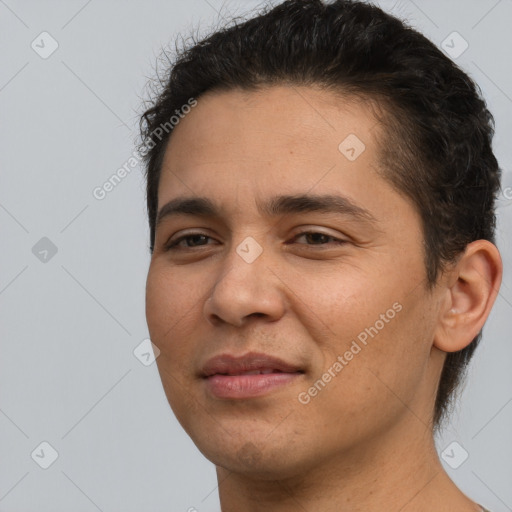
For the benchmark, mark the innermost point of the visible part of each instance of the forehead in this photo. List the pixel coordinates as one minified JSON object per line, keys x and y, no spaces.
{"x":273,"y":121}
{"x":273,"y":125}
{"x":237,"y":144}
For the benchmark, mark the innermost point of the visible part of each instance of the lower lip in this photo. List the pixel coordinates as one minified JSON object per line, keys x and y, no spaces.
{"x":247,"y":386}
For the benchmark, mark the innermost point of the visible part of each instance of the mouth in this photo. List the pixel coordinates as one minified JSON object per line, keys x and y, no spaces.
{"x":251,"y":375}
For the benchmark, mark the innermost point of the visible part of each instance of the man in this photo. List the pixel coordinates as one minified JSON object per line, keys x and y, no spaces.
{"x":322,"y":227}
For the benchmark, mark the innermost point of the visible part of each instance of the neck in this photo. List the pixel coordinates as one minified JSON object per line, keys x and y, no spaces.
{"x":396,"y":471}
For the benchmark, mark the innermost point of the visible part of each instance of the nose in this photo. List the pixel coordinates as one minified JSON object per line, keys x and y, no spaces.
{"x":245,"y":290}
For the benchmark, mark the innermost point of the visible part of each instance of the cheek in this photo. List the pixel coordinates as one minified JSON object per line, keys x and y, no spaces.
{"x":344,"y":303}
{"x":168,"y":298}
{"x":170,"y":318}
{"x":158,"y":304}
{"x":380,"y":324}
{"x":169,"y":308}
{"x":390,"y":366}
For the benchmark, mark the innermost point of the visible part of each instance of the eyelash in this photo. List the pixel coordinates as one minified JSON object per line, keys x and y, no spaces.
{"x":173,"y":245}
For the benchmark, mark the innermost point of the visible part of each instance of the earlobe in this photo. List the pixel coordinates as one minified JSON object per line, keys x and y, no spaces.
{"x":476,"y":279}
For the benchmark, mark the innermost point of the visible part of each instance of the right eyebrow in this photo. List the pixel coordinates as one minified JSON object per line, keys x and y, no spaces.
{"x":198,"y":206}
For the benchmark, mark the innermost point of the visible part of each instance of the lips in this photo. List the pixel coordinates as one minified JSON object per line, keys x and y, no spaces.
{"x":249,"y":364}
{"x":252,"y":375}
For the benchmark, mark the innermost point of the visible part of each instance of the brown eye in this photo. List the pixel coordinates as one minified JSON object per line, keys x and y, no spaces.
{"x":318,"y":238}
{"x":191,"y":241}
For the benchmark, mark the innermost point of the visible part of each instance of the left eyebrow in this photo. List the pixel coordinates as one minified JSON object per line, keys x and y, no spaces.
{"x":273,"y":207}
{"x":304,"y":203}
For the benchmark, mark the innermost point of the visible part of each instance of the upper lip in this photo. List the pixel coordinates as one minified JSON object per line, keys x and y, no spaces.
{"x":227,"y":364}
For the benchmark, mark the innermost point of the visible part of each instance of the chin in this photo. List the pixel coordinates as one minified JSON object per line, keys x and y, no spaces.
{"x":251,"y":455}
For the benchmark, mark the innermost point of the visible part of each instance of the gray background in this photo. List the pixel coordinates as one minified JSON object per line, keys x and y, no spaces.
{"x":71,"y":320}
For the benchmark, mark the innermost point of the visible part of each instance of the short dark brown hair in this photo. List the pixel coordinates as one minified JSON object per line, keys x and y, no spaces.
{"x":438,"y":150}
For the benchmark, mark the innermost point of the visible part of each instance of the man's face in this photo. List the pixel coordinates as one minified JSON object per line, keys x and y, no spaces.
{"x":344,"y":306}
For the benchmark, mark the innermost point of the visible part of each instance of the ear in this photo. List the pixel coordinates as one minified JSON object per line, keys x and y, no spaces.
{"x":470,"y":291}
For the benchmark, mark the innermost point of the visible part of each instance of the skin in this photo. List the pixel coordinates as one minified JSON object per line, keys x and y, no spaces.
{"x":364,"y":442}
